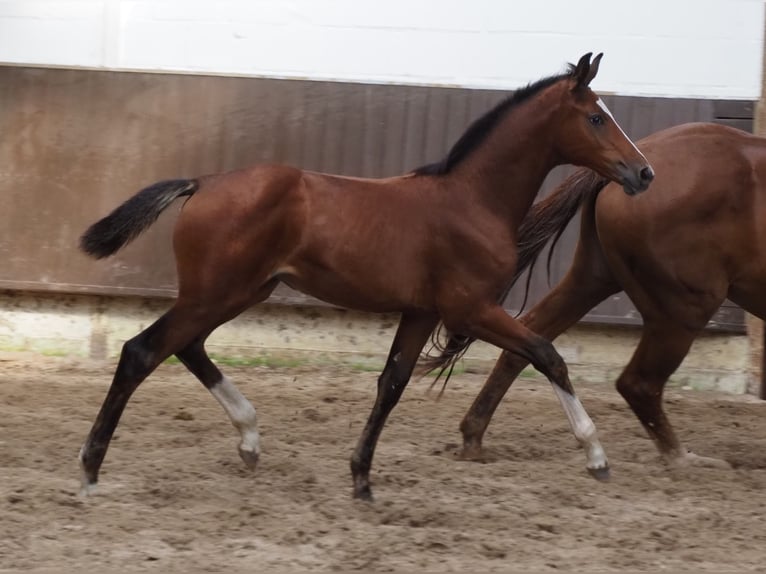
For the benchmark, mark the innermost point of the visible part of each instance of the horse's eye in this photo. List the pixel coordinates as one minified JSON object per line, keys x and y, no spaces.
{"x":596,"y":120}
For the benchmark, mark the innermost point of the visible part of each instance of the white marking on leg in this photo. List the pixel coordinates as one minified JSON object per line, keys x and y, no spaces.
{"x":87,"y":488}
{"x":243,"y":417}
{"x":583,"y":428}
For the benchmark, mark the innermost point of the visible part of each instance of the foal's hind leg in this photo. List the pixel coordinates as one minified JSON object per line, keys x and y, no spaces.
{"x":140,"y":356}
{"x":495,"y":326}
{"x":240,"y":410}
{"x":176,"y":329}
{"x":411,"y":336}
{"x":661,"y":350}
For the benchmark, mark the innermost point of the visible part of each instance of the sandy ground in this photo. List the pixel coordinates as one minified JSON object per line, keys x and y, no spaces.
{"x":174,"y":496}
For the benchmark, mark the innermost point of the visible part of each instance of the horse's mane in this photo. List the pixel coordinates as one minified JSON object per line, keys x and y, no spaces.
{"x":478,"y":131}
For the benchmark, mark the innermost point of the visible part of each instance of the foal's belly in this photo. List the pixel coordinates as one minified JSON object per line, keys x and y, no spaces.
{"x":358,"y":294}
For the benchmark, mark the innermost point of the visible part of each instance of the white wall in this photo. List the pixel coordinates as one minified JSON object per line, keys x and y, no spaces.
{"x":694,"y":48}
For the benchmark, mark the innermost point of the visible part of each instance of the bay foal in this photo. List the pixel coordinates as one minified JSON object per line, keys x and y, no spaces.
{"x":435,"y":244}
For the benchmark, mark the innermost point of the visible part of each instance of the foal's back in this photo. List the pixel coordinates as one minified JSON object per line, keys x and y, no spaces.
{"x":372,"y":244}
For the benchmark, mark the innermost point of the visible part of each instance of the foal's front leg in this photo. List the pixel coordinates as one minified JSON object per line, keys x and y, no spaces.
{"x":579,"y":291}
{"x":493,"y":325}
{"x":411,"y":336}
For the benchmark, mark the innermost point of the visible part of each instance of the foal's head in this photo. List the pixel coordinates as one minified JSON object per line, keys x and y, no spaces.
{"x":590,"y":136}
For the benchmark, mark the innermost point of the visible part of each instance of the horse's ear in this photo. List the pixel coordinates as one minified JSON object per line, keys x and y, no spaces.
{"x":581,"y":74}
{"x":593,"y":69}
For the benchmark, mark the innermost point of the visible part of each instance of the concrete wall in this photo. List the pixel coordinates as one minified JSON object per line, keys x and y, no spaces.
{"x":709,"y":49}
{"x":96,"y":327}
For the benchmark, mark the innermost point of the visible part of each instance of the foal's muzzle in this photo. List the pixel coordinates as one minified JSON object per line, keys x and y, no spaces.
{"x":635,"y":181}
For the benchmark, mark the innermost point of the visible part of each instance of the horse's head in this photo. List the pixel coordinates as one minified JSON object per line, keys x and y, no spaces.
{"x":589,"y":135}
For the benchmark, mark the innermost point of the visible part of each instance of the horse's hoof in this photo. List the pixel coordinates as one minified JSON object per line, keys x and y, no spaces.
{"x":471,"y":454}
{"x":87,"y":488}
{"x":364,"y":496}
{"x":88,"y":478}
{"x":602,"y":474}
{"x":362,"y":490}
{"x":249,"y":457}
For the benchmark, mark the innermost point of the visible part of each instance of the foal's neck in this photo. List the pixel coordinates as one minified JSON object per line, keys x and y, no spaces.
{"x":507,"y":170}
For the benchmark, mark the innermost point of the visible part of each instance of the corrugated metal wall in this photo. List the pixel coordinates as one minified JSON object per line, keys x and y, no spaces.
{"x":76,"y":143}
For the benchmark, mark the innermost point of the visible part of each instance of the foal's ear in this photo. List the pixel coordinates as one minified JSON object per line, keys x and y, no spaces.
{"x":585,"y":71}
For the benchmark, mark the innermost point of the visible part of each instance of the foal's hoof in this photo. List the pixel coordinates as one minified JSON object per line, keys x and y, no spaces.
{"x":88,"y":478}
{"x":249,"y":457}
{"x":362,"y":490}
{"x":601,"y":473}
{"x":87,"y":488}
{"x":88,"y":483}
{"x":363,"y":493}
{"x":471,"y":453}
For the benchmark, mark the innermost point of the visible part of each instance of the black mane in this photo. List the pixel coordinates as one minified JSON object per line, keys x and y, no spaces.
{"x":480,"y":128}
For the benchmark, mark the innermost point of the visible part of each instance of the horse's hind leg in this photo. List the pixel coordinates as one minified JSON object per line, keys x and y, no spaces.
{"x":496,"y":327}
{"x":240,"y":410}
{"x":659,"y":353}
{"x":411,"y":336}
{"x":140,"y":356}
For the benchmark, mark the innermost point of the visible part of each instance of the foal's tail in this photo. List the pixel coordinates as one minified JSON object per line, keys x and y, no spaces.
{"x":546,"y":219}
{"x":125,"y":223}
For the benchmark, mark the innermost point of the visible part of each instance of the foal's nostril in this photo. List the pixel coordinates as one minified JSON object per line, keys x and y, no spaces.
{"x":646,"y":174}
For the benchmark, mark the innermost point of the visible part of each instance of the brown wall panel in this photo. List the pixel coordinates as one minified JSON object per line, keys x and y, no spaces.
{"x":76,"y":143}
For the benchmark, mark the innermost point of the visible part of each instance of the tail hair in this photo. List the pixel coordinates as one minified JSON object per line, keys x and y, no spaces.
{"x":546,"y":219}
{"x":129,"y":220}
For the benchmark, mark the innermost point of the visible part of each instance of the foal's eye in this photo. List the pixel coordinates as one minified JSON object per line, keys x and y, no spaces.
{"x":596,"y":120}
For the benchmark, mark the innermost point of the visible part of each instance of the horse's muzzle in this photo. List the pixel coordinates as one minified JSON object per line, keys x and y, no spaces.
{"x":636,"y":181}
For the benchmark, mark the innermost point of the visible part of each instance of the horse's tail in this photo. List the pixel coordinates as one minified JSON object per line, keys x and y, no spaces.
{"x":546,"y":219}
{"x":125,"y":223}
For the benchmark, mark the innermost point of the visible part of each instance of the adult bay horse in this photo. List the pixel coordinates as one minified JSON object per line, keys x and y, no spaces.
{"x":435,"y":244}
{"x":696,"y":238}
